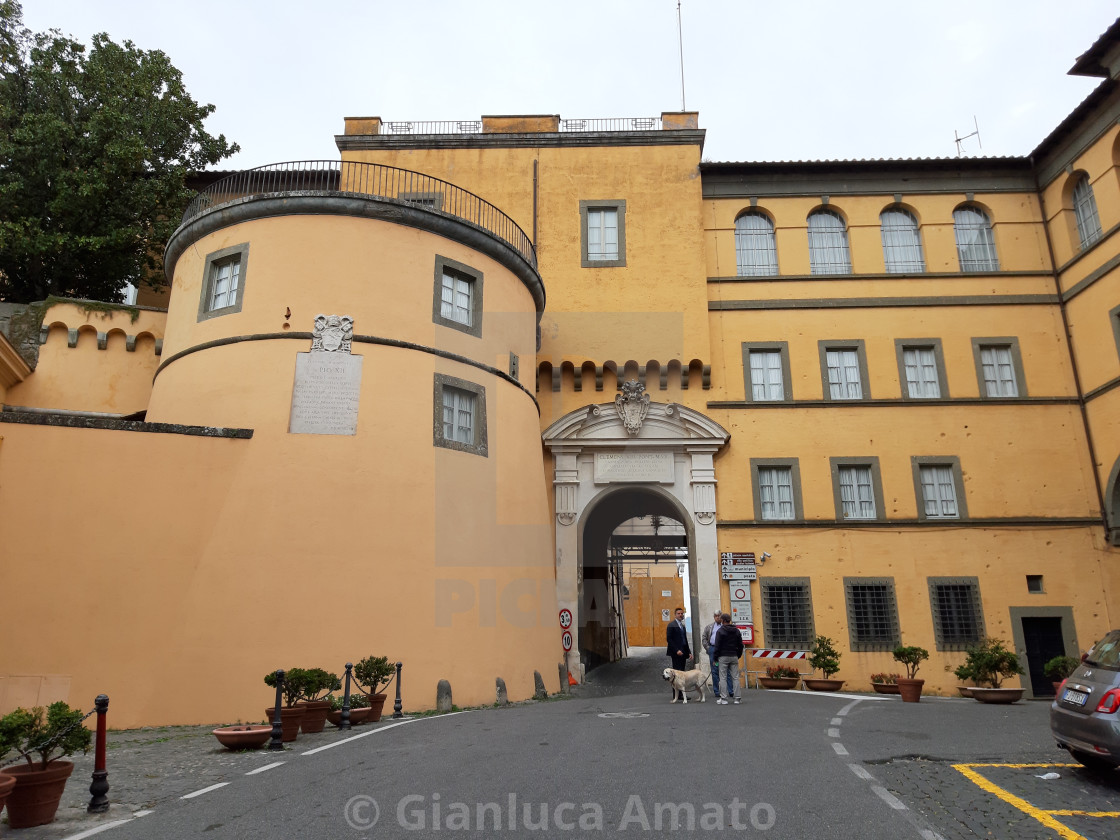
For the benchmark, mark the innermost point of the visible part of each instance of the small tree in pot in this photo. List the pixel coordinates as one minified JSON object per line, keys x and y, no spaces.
{"x":1059,"y":668}
{"x":824,"y":657}
{"x":372,"y":674}
{"x":53,"y":734}
{"x":991,"y":662}
{"x":317,"y":684}
{"x":911,"y":656}
{"x":293,"y":687}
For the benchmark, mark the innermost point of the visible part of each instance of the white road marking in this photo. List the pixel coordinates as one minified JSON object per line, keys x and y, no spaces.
{"x":888,"y":797}
{"x":89,"y":832}
{"x":861,"y":772}
{"x":839,"y":748}
{"x":856,"y":697}
{"x":204,"y":790}
{"x":266,"y":767}
{"x":366,"y":735}
{"x":837,"y":721}
{"x":834,"y":732}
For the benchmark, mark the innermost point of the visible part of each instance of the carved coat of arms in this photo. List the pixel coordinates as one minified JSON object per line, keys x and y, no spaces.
{"x":332,"y":333}
{"x":632,"y":406}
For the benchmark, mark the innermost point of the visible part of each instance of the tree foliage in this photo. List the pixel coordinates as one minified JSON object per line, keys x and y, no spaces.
{"x":95,"y":148}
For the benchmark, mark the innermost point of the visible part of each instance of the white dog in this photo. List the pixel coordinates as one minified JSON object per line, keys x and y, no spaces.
{"x":685,"y":681}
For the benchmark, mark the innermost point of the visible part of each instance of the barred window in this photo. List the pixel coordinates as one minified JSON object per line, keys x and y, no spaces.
{"x":976,"y":247}
{"x":1085,"y":211}
{"x":828,"y":244}
{"x":756,"y":254}
{"x":958,"y":620}
{"x":902,"y":246}
{"x":872,"y":614}
{"x":787,"y":613}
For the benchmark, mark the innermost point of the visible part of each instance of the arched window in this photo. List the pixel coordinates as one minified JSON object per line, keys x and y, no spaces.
{"x":755,"y":252}
{"x":976,"y":247}
{"x":1085,"y":211}
{"x":902,"y":247}
{"x":828,"y":244}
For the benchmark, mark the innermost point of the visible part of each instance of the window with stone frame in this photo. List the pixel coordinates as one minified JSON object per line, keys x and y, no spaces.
{"x":958,"y":618}
{"x":872,"y":614}
{"x":787,"y":613}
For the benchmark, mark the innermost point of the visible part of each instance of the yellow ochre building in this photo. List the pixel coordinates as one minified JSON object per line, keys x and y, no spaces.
{"x":431,"y":399}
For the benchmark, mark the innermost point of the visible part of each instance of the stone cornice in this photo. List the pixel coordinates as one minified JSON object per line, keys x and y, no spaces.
{"x":13,"y":368}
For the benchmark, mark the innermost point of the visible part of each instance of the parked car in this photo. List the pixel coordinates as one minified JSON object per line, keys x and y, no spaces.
{"x":1085,"y":714}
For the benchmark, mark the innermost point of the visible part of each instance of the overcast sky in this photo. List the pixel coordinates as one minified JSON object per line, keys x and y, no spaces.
{"x":788,"y":80}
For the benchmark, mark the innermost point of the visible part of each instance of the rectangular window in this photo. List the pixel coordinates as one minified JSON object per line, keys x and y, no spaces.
{"x":223,"y":284}
{"x":920,"y":364}
{"x":872,"y":614}
{"x":775,"y":486}
{"x":455,"y":300}
{"x":843,"y":369}
{"x":957,"y":617}
{"x":939,"y":485}
{"x":999,"y":367}
{"x":603,"y":233}
{"x":787,"y":613}
{"x":766,"y":370}
{"x":460,"y":415}
{"x":857,"y":488}
{"x":458,"y":296}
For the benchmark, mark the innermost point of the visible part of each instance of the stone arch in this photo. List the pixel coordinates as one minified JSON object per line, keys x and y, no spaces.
{"x":1112,"y":504}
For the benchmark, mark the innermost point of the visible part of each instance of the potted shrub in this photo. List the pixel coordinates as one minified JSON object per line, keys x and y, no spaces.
{"x":52,"y":734}
{"x":824,"y":657}
{"x":885,"y":683}
{"x":359,"y":709}
{"x":782,"y":677}
{"x":243,"y":736}
{"x":295,"y":681}
{"x":909,"y":686}
{"x":991,"y":662}
{"x":1059,"y":668}
{"x":372,"y":674}
{"x":317,"y":685}
{"x":7,"y":744}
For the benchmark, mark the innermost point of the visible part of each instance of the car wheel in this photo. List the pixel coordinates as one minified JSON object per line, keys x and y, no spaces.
{"x":1093,"y":762}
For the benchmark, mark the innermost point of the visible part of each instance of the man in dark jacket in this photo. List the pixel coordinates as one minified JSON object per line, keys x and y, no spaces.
{"x":676,"y":641}
{"x":728,"y":649}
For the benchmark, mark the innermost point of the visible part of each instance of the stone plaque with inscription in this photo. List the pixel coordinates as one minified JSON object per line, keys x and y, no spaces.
{"x":611,"y":467}
{"x":328,"y":381}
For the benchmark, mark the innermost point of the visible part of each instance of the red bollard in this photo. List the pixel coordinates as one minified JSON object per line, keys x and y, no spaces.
{"x":99,"y":803}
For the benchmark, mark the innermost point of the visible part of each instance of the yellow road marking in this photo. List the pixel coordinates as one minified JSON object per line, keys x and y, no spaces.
{"x":1085,"y":813}
{"x":1011,"y":799}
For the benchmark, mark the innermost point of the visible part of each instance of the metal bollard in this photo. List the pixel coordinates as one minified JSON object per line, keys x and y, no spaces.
{"x":99,"y":802}
{"x":344,"y":723}
{"x":397,"y":713}
{"x":277,"y":741}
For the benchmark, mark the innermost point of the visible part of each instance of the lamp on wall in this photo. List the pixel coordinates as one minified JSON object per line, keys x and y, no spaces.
{"x":765,"y":556}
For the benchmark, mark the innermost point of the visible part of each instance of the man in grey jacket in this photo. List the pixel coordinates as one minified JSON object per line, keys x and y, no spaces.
{"x":709,"y":648}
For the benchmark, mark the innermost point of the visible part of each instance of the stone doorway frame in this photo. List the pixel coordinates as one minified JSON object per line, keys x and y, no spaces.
{"x":665,"y":449}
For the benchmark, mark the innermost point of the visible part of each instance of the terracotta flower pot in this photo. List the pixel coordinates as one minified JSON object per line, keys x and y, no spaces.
{"x":911,"y":690}
{"x":885,"y":688}
{"x":35,"y":797}
{"x":251,"y":737}
{"x":376,"y":704}
{"x":7,"y":782}
{"x":290,"y":718}
{"x":356,"y":716}
{"x":998,"y":695}
{"x":314,"y":716}
{"x":778,"y":683}
{"x":822,"y":684}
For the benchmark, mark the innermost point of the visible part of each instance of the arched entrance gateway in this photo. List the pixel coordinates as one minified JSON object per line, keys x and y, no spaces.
{"x":616,"y":463}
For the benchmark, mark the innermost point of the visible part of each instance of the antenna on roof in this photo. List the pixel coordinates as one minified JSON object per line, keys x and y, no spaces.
{"x":680,"y":43}
{"x":975,"y":133}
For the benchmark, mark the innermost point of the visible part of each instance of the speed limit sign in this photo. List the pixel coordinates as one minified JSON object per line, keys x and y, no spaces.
{"x":567,"y":640}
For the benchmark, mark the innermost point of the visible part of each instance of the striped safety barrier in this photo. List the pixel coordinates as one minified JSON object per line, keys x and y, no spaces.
{"x":769,"y":653}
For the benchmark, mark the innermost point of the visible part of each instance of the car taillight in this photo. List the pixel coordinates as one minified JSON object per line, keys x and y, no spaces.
{"x":1110,"y":702}
{"x":1061,"y":687}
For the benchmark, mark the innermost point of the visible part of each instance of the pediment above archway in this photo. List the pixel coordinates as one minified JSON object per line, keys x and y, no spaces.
{"x":663,"y":423}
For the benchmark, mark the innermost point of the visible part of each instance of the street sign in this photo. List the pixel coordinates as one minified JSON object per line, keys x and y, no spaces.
{"x":740,"y":573}
{"x":741,"y":613}
{"x":736,"y":557}
{"x":747,"y":631}
{"x":565,"y":619}
{"x":566,"y":640}
{"x":740,"y":592}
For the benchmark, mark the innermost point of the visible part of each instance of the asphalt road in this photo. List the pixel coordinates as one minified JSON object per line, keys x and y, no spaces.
{"x":619,"y":760}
